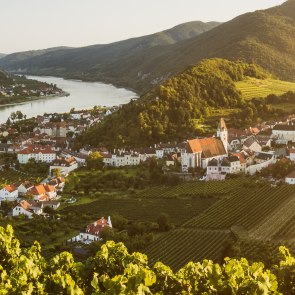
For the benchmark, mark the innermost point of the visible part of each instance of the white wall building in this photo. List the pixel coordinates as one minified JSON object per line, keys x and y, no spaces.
{"x":9,"y":193}
{"x":46,"y":155}
{"x":284,"y":132}
{"x":121,"y":160}
{"x":93,"y":231}
{"x":65,"y":165}
{"x":290,"y":178}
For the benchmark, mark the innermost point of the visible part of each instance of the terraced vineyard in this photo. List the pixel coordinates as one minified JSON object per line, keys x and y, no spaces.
{"x":252,"y":87}
{"x":183,"y":245}
{"x":286,"y":231}
{"x":11,"y":176}
{"x":264,"y":215}
{"x":245,"y":208}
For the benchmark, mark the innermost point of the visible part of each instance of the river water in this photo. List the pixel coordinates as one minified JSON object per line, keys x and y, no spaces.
{"x":83,"y":95}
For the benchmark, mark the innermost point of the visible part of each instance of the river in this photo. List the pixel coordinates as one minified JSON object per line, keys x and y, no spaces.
{"x":83,"y":95}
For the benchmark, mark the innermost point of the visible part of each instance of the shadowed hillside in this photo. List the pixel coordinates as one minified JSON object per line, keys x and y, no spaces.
{"x":93,"y":62}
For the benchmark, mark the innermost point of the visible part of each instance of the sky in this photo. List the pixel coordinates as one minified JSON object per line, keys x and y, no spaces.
{"x":38,"y":24}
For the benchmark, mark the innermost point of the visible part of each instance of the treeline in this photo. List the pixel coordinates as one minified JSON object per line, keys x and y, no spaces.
{"x":286,"y":97}
{"x":5,"y":80}
{"x":115,"y":271}
{"x":174,"y":110}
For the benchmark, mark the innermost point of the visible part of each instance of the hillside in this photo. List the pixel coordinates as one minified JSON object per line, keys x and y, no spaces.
{"x":93,"y":62}
{"x":177,"y":109}
{"x":2,"y":55}
{"x":258,"y":88}
{"x":265,"y":37}
{"x":5,"y":80}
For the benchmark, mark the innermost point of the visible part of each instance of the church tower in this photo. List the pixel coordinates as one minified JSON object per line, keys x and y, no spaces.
{"x":222,"y":133}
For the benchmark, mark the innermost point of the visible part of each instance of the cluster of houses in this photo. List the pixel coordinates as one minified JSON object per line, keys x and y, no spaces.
{"x":229,"y":151}
{"x":22,"y":90}
{"x":32,"y":199}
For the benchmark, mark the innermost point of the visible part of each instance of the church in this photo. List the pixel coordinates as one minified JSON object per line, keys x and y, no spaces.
{"x":200,"y":151}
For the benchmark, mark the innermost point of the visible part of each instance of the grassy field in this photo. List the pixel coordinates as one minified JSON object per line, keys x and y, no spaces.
{"x":257,"y":88}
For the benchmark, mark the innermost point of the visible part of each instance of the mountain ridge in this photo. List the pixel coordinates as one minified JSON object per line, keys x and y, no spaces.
{"x":265,"y":37}
{"x":59,"y":61}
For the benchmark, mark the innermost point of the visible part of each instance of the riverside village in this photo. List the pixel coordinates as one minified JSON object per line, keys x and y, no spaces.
{"x":49,"y":140}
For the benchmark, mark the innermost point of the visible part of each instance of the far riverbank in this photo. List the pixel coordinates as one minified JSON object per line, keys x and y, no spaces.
{"x":83,"y":95}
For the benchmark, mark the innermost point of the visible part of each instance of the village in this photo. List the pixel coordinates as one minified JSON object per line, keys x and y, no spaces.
{"x":18,"y":88}
{"x":227,"y":152}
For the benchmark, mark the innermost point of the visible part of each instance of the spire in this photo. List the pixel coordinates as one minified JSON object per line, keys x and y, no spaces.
{"x":221,"y":125}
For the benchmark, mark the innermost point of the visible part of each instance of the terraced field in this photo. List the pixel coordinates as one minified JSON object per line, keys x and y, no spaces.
{"x":252,"y":87}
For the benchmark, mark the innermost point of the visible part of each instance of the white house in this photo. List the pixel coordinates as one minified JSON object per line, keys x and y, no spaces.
{"x":42,"y":192}
{"x":93,"y":231}
{"x":292,"y":155}
{"x":290,"y":178}
{"x":80,"y":158}
{"x":29,"y":208}
{"x":23,"y":208}
{"x":227,"y":165}
{"x":159,"y":153}
{"x":121,"y":159}
{"x":65,"y":165}
{"x":9,"y":193}
{"x":24,"y":187}
{"x":231,"y":165}
{"x":284,"y":131}
{"x":252,"y":144}
{"x":45,"y":154}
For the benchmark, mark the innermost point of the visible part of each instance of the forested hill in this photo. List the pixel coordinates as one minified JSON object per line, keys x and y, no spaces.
{"x":173,"y":110}
{"x":5,"y":80}
{"x":97,"y":61}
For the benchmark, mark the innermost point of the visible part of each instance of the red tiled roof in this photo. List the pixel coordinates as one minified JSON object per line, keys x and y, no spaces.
{"x":10,"y":188}
{"x":25,"y":205}
{"x":35,"y":150}
{"x":210,"y":147}
{"x":291,"y":175}
{"x":96,"y":227}
{"x":49,"y":188}
{"x":37,"y":190}
{"x":241,"y":157}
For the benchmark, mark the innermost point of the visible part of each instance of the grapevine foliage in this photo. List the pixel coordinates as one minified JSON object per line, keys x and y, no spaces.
{"x":115,"y":271}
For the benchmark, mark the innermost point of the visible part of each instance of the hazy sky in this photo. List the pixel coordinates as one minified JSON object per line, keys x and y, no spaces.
{"x":36,"y":24}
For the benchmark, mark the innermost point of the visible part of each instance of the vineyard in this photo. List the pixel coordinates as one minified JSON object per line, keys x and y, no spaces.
{"x":214,"y":189}
{"x":183,"y":245}
{"x":11,"y":176}
{"x":245,"y":208}
{"x":265,"y":216}
{"x":143,"y":209}
{"x":252,"y":87}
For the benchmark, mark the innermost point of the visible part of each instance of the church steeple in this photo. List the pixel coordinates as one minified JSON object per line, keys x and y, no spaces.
{"x":222,"y":133}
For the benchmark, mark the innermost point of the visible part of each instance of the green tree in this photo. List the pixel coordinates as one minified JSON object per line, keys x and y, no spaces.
{"x":94,"y":161}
